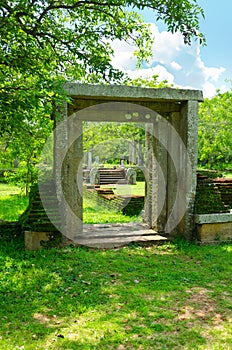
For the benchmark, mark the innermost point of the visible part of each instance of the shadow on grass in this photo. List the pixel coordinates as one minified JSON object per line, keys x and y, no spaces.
{"x":168,"y":297}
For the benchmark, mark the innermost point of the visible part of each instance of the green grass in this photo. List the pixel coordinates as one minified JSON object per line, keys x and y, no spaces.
{"x":138,"y":189}
{"x":12,"y":202}
{"x":175,"y":296}
{"x":94,"y":213}
{"x":228,"y":175}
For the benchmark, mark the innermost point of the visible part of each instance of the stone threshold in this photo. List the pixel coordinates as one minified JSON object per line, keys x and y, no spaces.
{"x":106,"y":236}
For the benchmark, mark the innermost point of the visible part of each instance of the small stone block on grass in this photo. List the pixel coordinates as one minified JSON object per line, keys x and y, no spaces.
{"x":39,"y":240}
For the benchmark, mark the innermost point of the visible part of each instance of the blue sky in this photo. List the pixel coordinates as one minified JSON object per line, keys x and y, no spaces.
{"x":205,"y":68}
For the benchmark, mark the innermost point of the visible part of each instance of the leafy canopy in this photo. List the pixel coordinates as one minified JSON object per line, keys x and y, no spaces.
{"x":43,"y":43}
{"x":215,"y":130}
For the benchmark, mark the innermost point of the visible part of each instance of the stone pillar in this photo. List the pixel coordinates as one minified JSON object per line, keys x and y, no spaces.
{"x":68,"y":174}
{"x":90,"y":160}
{"x":174,"y":174}
{"x":189,"y":116}
{"x":140,"y":154}
{"x":85,"y":159}
{"x":155,"y":215}
{"x":132,"y":154}
{"x":60,"y":149}
{"x":161,"y":158}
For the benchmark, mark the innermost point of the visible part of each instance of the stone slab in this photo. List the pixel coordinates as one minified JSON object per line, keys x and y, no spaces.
{"x":118,"y":241}
{"x":213,"y":218}
{"x":118,"y":92}
{"x":107,"y":236}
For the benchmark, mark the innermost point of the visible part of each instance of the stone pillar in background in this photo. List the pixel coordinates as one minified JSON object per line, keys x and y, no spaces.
{"x":132,"y":152}
{"x":140,"y":154}
{"x":90,"y":159}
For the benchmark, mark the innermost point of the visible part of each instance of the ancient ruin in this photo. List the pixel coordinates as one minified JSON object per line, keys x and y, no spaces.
{"x":171,"y":119}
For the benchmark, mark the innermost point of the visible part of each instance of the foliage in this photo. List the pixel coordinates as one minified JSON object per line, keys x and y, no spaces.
{"x":149,"y":82}
{"x":24,"y":144}
{"x":44,"y":43}
{"x":111,"y":140}
{"x":215,"y":130}
{"x":174,"y":296}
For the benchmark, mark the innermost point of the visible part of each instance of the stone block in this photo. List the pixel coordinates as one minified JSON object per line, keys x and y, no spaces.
{"x":39,"y":240}
{"x":214,"y":228}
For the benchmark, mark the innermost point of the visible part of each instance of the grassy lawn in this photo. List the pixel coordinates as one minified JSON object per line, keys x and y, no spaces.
{"x":94,"y":213}
{"x":228,"y":175}
{"x":98,"y":211}
{"x":175,"y":296}
{"x":138,"y":189}
{"x":12,"y":202}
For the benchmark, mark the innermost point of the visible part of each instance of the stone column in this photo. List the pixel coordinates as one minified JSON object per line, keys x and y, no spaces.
{"x":90,"y":160}
{"x":140,"y":154}
{"x":68,"y":174}
{"x":132,"y":154}
{"x":189,"y":117}
{"x":155,"y":211}
{"x":174,"y":173}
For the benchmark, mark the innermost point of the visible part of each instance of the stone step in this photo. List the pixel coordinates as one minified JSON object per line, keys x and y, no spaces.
{"x":113,"y":181}
{"x":107,"y":236}
{"x":119,"y":241}
{"x":112,"y":176}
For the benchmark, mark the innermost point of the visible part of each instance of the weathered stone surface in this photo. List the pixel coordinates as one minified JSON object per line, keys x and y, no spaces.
{"x":39,"y":240}
{"x":130,"y":93}
{"x":213,"y":218}
{"x":214,"y":232}
{"x":212,"y":228}
{"x":171,"y":183}
{"x":117,"y":235}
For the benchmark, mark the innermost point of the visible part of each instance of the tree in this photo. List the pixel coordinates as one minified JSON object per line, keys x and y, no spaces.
{"x":44,"y":43}
{"x":23,"y":147}
{"x":215,"y":130}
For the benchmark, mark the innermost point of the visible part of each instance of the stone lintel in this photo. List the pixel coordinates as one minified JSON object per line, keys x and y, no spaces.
{"x":213,"y":218}
{"x":160,"y":107}
{"x":130,"y":93}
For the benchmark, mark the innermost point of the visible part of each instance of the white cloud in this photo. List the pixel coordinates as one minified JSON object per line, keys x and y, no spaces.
{"x":173,"y":61}
{"x":123,"y":57}
{"x":175,"y":65}
{"x":209,"y":89}
{"x":209,"y":73}
{"x":166,"y":45}
{"x":159,"y":70}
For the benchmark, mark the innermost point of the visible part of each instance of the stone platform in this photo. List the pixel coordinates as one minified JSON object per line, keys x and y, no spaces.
{"x":106,"y":236}
{"x":214,"y":228}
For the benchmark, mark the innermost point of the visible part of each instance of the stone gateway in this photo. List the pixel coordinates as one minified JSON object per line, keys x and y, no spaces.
{"x":171,"y":122}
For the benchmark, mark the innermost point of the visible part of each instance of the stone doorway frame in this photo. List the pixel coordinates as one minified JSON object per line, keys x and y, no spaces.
{"x":180,"y":108}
